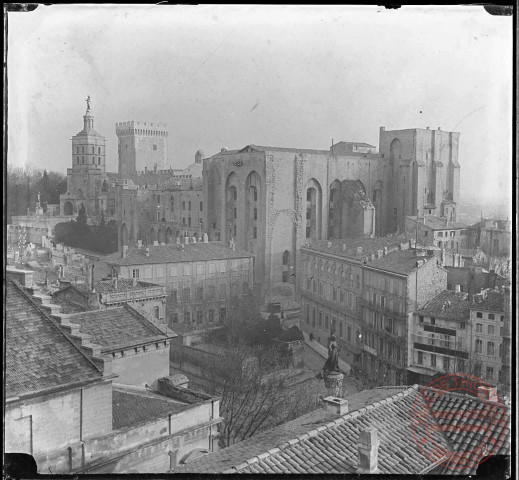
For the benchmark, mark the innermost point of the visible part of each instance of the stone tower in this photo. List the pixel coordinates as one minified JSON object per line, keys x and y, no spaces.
{"x":142,"y":146}
{"x":84,"y":179}
{"x":422,"y":175}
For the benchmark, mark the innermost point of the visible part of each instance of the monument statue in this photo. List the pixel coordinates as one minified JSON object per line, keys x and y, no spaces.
{"x":332,"y":362}
{"x":88,"y":102}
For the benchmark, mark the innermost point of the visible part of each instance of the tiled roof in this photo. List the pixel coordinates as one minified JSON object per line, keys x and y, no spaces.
{"x":494,"y":301}
{"x":348,"y":247}
{"x":399,"y":261}
{"x":38,"y":354}
{"x":266,"y":440}
{"x":468,"y":422}
{"x":172,"y":253}
{"x":131,"y":407}
{"x":118,"y":326}
{"x":449,"y":305}
{"x":327,"y":445}
{"x":437,"y":223}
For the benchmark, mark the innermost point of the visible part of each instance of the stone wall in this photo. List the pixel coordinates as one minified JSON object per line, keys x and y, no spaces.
{"x":48,"y":423}
{"x":143,"y":367}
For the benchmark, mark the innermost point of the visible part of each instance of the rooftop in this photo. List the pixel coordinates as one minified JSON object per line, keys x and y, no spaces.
{"x":348,"y":248}
{"x":39,"y":355}
{"x":132,"y":406}
{"x":116,"y":327}
{"x":173,"y":253}
{"x":449,"y":305}
{"x":108,"y":286}
{"x":400,"y":261}
{"x":493,"y":301}
{"x":437,"y":223}
{"x":321,"y":443}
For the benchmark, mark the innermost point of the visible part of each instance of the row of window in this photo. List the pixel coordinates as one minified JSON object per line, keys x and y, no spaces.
{"x":93,"y":150}
{"x":490,"y":348}
{"x":199,"y":317}
{"x":490,"y":316}
{"x":329,"y":324}
{"x":93,"y":160}
{"x":199,"y":293}
{"x":144,"y":348}
{"x":187,"y":269}
{"x":382,"y":322}
{"x":332,"y":293}
{"x":459,"y":364}
{"x":233,"y":193}
{"x":390,"y":352}
{"x":441,"y":234}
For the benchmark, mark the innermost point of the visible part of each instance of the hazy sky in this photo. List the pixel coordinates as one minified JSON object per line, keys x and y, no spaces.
{"x":280,"y":76}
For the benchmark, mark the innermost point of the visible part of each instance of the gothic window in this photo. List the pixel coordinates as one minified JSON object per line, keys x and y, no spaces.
{"x":93,"y":149}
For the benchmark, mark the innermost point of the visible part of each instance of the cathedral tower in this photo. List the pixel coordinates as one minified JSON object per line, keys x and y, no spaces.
{"x":84,"y":179}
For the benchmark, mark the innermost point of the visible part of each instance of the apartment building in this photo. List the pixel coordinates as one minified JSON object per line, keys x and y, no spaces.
{"x":458,"y":333}
{"x":200,"y":277}
{"x":395,"y":285}
{"x":331,"y":286}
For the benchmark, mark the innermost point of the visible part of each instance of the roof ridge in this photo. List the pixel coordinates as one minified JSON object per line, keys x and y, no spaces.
{"x":54,"y":324}
{"x":333,"y":423}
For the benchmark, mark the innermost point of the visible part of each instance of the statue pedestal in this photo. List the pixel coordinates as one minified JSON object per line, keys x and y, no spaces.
{"x":333,"y":383}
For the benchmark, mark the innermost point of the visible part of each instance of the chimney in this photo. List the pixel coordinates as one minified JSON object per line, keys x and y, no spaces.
{"x":382,"y":129}
{"x":329,"y":244}
{"x":139,"y":243}
{"x":205,"y":238}
{"x":186,"y":239}
{"x":359,"y":250}
{"x":147,"y":252}
{"x":115,"y":283}
{"x":336,"y":405}
{"x":487,"y":393}
{"x":439,"y":128}
{"x":385,"y":250}
{"x":125,"y":251}
{"x":155,"y":243}
{"x":193,"y":240}
{"x":457,"y":288}
{"x":344,"y":247}
{"x":380,"y":253}
{"x":367,"y":448}
{"x":134,"y":281}
{"x":427,"y":128}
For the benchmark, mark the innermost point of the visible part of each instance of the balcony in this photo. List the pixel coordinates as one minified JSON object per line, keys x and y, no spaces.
{"x":133,"y":295}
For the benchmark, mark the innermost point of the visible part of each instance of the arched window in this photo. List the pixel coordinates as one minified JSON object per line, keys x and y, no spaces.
{"x":77,"y":149}
{"x":286,"y":266}
{"x":93,"y":160}
{"x":99,"y":161}
{"x":93,"y":149}
{"x":99,"y":150}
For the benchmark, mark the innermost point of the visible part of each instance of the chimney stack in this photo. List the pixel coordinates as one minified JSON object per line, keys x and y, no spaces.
{"x":359,"y":250}
{"x":186,"y":239}
{"x":368,"y":451}
{"x":205,"y":238}
{"x":115,"y":283}
{"x":193,"y":240}
{"x":125,"y":251}
{"x":147,"y":252}
{"x":487,"y":393}
{"x":457,"y":288}
{"x":139,"y":243}
{"x":336,"y":405}
{"x":329,"y":244}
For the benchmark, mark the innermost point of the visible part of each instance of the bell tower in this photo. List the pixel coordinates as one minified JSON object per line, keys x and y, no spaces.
{"x":88,"y":147}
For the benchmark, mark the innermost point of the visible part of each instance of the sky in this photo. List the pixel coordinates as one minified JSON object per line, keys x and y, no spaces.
{"x":287,"y":76}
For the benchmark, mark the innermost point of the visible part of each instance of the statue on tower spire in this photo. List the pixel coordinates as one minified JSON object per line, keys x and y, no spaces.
{"x":88,"y":102}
